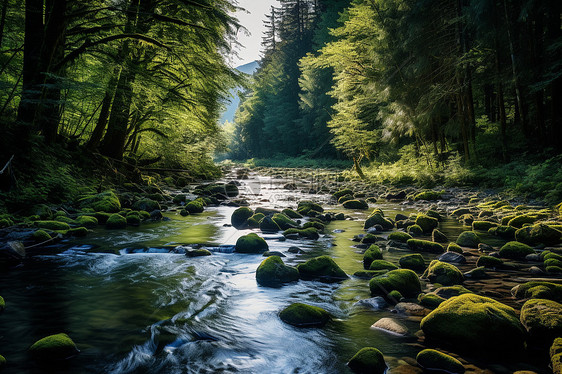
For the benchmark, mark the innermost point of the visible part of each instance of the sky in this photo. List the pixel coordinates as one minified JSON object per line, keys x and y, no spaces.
{"x":253,"y":21}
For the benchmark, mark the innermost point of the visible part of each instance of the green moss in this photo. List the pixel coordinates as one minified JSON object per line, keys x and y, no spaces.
{"x":430,"y":300}
{"x":382,"y":265}
{"x":519,"y":221}
{"x":553,"y":269}
{"x":179,"y":198}
{"x":133,"y":219}
{"x":251,"y":243}
{"x":425,"y":246}
{"x":483,"y":225}
{"x":308,"y":233}
{"x":323,"y":267}
{"x":451,"y":291}
{"x":475,"y":323}
{"x":372,"y":253}
{"x":78,"y":232}
{"x":65,"y":219}
{"x":102,"y":217}
{"x":305,"y":207}
{"x":399,"y":236}
{"x":460,"y":211}
{"x":40,"y":236}
{"x":195,"y":206}
{"x":367,"y":360}
{"x":556,"y":353}
{"x":340,"y":193}
{"x":317,"y":225}
{"x":239,"y":218}
{"x":88,"y":222}
{"x":303,"y":315}
{"x":54,"y":347}
{"x":454,"y":247}
{"x":429,"y":195}
{"x":43,"y":211}
{"x":273,"y":272}
{"x":426,"y":223}
{"x":356,"y":204}
{"x":199,"y":252}
{"x":515,"y":250}
{"x":116,"y":221}
{"x":438,"y":237}
{"x":489,"y":262}
{"x":144,"y":214}
{"x":3,"y":361}
{"x":394,"y":297}
{"x":284,"y":222}
{"x":148,"y":205}
{"x":376,"y":218}
{"x":254,"y":221}
{"x":538,"y":290}
{"x":404,"y":281}
{"x":543,"y":234}
{"x":433,"y":360}
{"x":468,"y":239}
{"x":504,"y":232}
{"x":345,"y":198}
{"x":52,"y":225}
{"x":414,"y":262}
{"x":415,"y":230}
{"x":543,"y":319}
{"x":291,"y":213}
{"x":434,"y":214}
{"x":2,"y":304}
{"x":103,"y":202}
{"x":368,"y":274}
{"x":553,"y":262}
{"x":443,"y":273}
{"x":547,"y":255}
{"x":269,"y":225}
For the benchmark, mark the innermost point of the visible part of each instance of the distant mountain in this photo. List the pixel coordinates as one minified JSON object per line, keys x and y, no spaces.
{"x":228,"y":115}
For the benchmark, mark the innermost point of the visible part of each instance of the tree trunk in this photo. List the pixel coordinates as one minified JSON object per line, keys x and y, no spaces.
{"x":3,"y":19}
{"x":97,"y":134}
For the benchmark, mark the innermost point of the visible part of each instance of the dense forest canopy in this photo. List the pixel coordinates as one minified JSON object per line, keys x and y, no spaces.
{"x":379,"y":80}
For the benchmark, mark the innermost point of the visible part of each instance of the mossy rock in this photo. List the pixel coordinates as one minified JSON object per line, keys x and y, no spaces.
{"x":404,"y":281}
{"x":368,"y":360}
{"x":52,"y":225}
{"x":195,"y":206}
{"x":538,"y":234}
{"x":443,"y":273}
{"x":382,"y":265}
{"x":308,"y":233}
{"x":460,"y":211}
{"x":273,"y":272}
{"x":371,"y":254}
{"x":454,"y":247}
{"x":40,"y":236}
{"x":438,"y":237}
{"x":370,"y":239}
{"x":88,"y":222}
{"x":323,"y":268}
{"x":378,"y":219}
{"x":451,"y":291}
{"x":54,"y":348}
{"x":317,"y":225}
{"x":345,"y":198}
{"x":356,"y":204}
{"x":489,"y":262}
{"x":515,"y":250}
{"x":399,"y":236}
{"x":179,"y":198}
{"x":556,"y":355}
{"x":43,"y":211}
{"x":475,"y":323}
{"x":430,"y":300}
{"x":519,"y":221}
{"x":477,"y":273}
{"x":425,"y":246}
{"x":369,"y":274}
{"x":553,"y":269}
{"x":414,"y":262}
{"x":303,"y":315}
{"x":78,"y":232}
{"x":107,"y":202}
{"x":147,"y":204}
{"x":415,"y":230}
{"x":184,"y":213}
{"x":553,"y":262}
{"x":434,"y":214}
{"x":65,"y":219}
{"x":426,"y":223}
{"x":240,"y":217}
{"x":102,"y":217}
{"x":394,"y":297}
{"x":116,"y":221}
{"x":285,"y":222}
{"x":251,"y":243}
{"x":133,"y":219}
{"x":483,"y":225}
{"x":538,"y":290}
{"x":199,"y":252}
{"x":254,"y":221}
{"x":305,"y":207}
{"x":291,"y":213}
{"x":468,"y":239}
{"x":429,"y":195}
{"x":2,"y":304}
{"x":543,"y":319}
{"x":432,"y":360}
{"x":340,"y":193}
{"x":504,"y":232}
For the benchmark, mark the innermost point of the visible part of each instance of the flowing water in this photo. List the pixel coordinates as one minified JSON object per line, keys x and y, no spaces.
{"x":161,"y":312}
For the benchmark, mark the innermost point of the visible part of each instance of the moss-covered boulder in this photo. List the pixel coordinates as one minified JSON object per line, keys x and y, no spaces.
{"x":267,"y":224}
{"x":468,"y":239}
{"x":323,"y":268}
{"x":460,"y":211}
{"x":434,"y":214}
{"x":77,"y":231}
{"x":438,"y":237}
{"x":52,"y":225}
{"x":432,"y":360}
{"x":254,"y":221}
{"x":443,"y":273}
{"x":538,"y":290}
{"x":475,"y":323}
{"x":515,"y":250}
{"x":305,"y":207}
{"x":429,"y":195}
{"x":133,"y":219}
{"x":356,"y":204}
{"x":116,"y":221}
{"x":40,"y":236}
{"x":315,"y":224}
{"x":415,"y":230}
{"x":251,"y":243}
{"x":399,"y":236}
{"x":371,"y":254}
{"x":199,"y":252}
{"x":504,"y":232}
{"x":430,"y":300}
{"x":146,"y":204}
{"x":556,"y":354}
{"x":345,"y":198}
{"x":343,"y":192}
{"x":103,"y":202}
{"x":240,"y":217}
{"x":519,"y":221}
{"x":402,"y":280}
{"x":538,"y":234}
{"x":451,"y":291}
{"x":413,"y":262}
{"x":88,"y":222}
{"x":285,"y":222}
{"x":308,"y":233}
{"x":291,"y":213}
{"x":483,"y":225}
{"x":195,"y":206}
{"x":376,"y":218}
{"x":368,"y":360}
{"x":382,"y":265}
{"x":426,"y":223}
{"x":543,"y":319}
{"x":303,"y":315}
{"x":489,"y":262}
{"x":54,"y":348}
{"x":425,"y":246}
{"x":273,"y":272}
{"x":454,"y":247}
